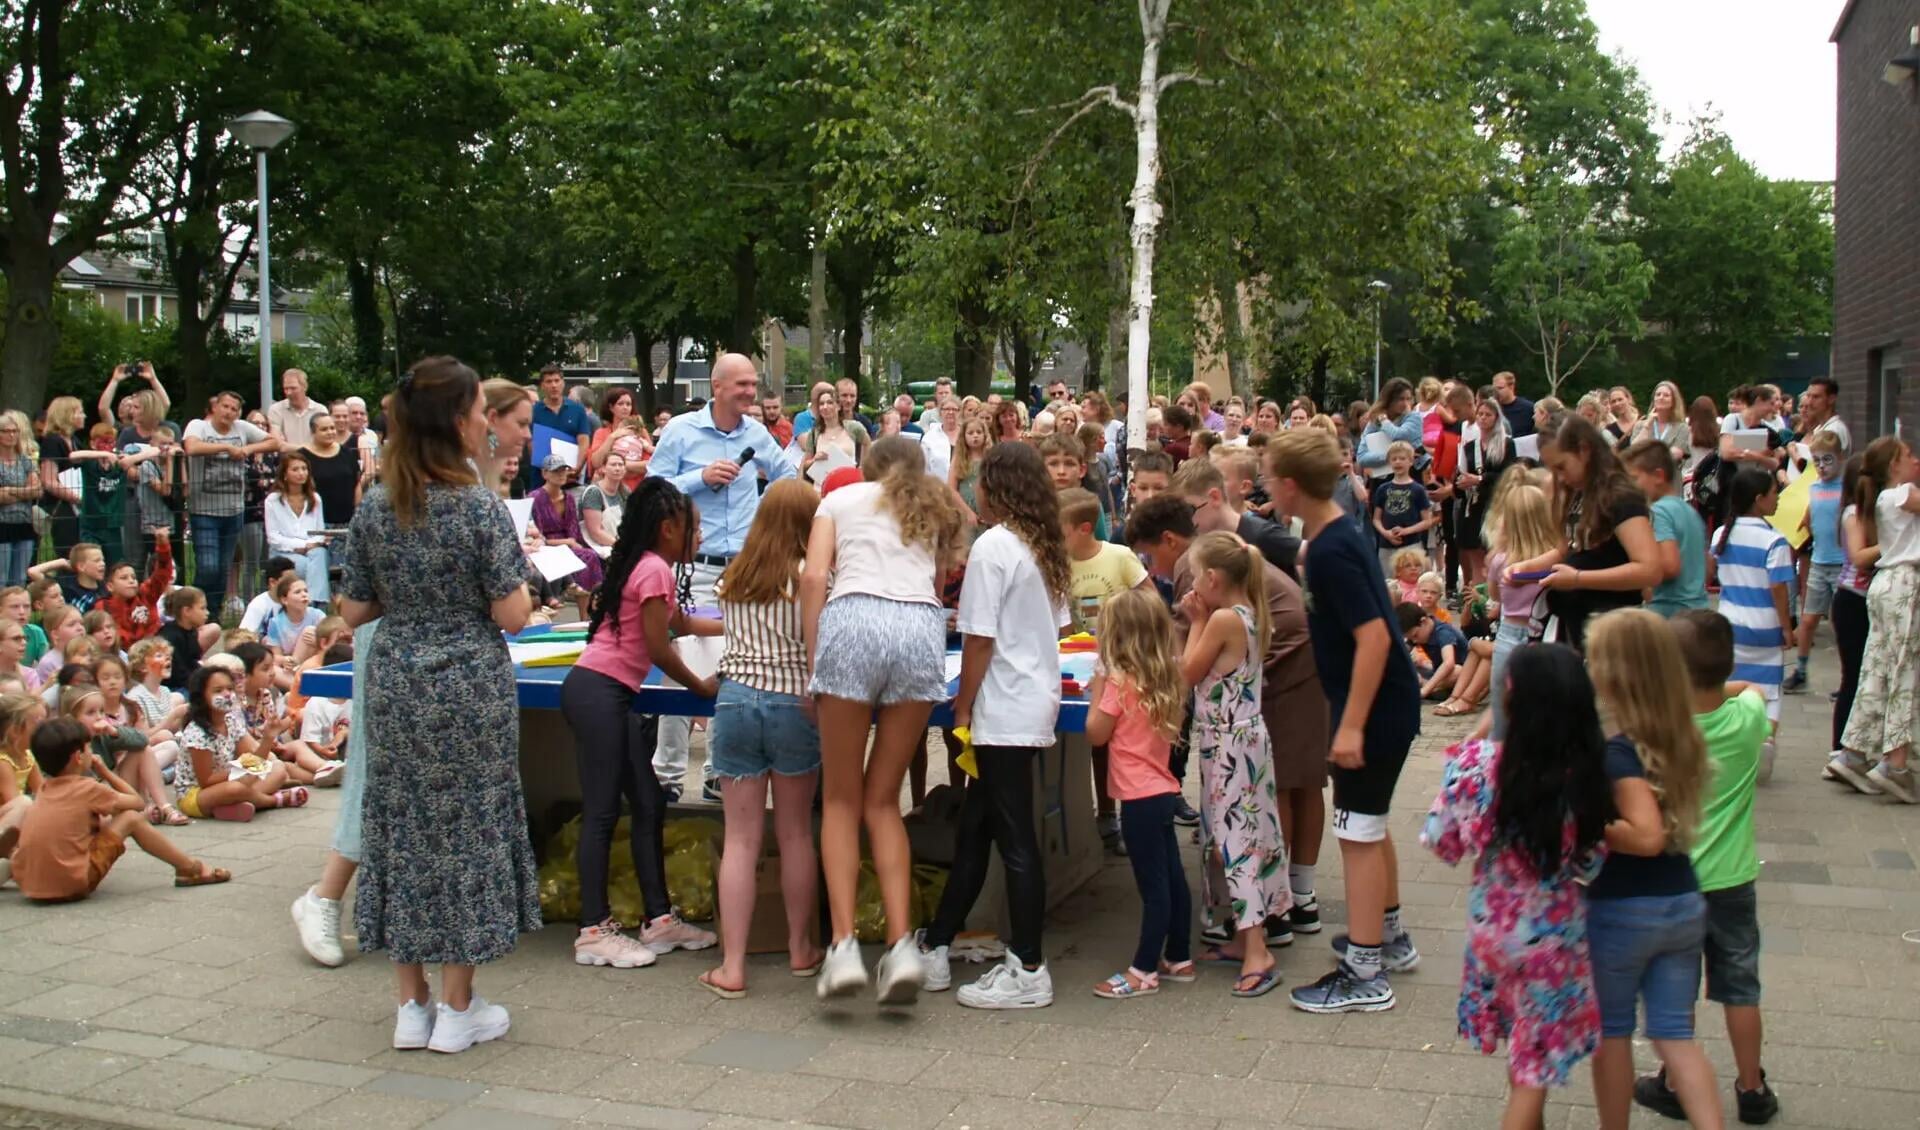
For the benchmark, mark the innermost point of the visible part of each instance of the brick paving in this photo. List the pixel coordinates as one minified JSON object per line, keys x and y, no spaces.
{"x":146,"y":1006}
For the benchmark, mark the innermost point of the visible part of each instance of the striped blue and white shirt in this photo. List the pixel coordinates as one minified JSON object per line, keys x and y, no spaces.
{"x":1756,"y":557}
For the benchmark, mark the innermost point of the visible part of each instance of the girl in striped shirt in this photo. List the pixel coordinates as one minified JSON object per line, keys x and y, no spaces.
{"x":1755,"y":569}
{"x":764,"y":732}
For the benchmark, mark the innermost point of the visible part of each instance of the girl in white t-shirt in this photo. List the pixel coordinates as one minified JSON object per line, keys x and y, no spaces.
{"x":1886,"y":708}
{"x":876,"y":639}
{"x":1013,"y":606}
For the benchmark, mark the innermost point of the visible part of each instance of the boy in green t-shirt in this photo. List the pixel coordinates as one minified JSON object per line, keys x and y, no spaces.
{"x":1733,"y":719}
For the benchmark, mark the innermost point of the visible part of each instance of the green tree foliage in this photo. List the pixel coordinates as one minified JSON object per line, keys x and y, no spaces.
{"x":1743,"y":262}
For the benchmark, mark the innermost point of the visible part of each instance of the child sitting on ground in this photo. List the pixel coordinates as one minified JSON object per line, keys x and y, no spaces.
{"x":272,"y":725}
{"x":77,"y":827}
{"x":1429,"y":592}
{"x":16,"y":604}
{"x":111,"y":677}
{"x":1732,"y":717}
{"x":264,"y":604}
{"x":187,"y":634}
{"x":63,"y":625}
{"x":1437,"y":649}
{"x":162,"y":712}
{"x":20,"y":777}
{"x":324,"y":722}
{"x":81,"y":576}
{"x":223,"y":774}
{"x":135,"y":604}
{"x":122,"y":747}
{"x":1403,"y":580}
{"x":295,"y":615}
{"x":104,"y":633}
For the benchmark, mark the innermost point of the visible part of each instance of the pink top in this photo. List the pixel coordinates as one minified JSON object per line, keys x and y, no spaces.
{"x":619,"y":649}
{"x":1516,"y":600}
{"x":1136,"y":754}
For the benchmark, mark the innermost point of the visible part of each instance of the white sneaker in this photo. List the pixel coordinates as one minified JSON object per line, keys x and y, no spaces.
{"x":1896,"y":783}
{"x":318,"y":921}
{"x":1009,"y":985}
{"x":900,"y":973}
{"x":413,"y":1026}
{"x":457,"y":1031}
{"x":1852,"y":770}
{"x":937,"y":964}
{"x":841,"y":971}
{"x":1764,"y":771}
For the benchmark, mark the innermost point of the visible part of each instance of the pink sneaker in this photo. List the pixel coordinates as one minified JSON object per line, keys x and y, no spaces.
{"x":606,"y":945}
{"x":669,"y":932}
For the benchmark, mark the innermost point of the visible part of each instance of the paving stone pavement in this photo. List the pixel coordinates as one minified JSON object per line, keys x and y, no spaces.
{"x":147,"y":1006}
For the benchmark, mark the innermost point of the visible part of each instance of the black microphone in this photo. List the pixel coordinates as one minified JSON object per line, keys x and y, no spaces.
{"x":746,"y":457}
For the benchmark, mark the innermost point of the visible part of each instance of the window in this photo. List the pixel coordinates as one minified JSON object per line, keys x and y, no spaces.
{"x":293,"y":327}
{"x":1883,"y":375}
{"x":143,"y":308}
{"x":587,"y":352}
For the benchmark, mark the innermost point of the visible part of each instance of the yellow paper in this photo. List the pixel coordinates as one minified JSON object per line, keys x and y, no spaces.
{"x":1790,"y":515}
{"x":968,"y":764}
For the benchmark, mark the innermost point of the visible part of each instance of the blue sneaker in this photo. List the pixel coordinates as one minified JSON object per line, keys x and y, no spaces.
{"x":1342,"y":991}
{"x":1398,"y":955}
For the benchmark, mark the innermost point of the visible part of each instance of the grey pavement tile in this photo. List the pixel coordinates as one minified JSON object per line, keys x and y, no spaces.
{"x":558,"y":1029}
{"x":1261,"y":1112}
{"x":645,"y":1117}
{"x":1458,"y":1112}
{"x":239,"y":1061}
{"x":759,"y":1095}
{"x":340,"y":1041}
{"x":1000,"y":1075}
{"x":13,"y":1048}
{"x":65,"y":1071}
{"x":1350,"y":1108}
{"x":884,"y":1106}
{"x":1779,"y":871}
{"x":648,"y":1039}
{"x":19,"y":986}
{"x":548,"y":1104}
{"x":481,"y":1118}
{"x":262,"y":1102}
{"x":1230,"y":1098}
{"x":369,"y":1110}
{"x":984,"y":1112}
{"x":95,"y":968}
{"x":428,"y":1087}
{"x":1774,"y":834}
{"x":1891,"y":859}
{"x":160,"y":1015}
{"x":645,"y":1080}
{"x":43,"y":1031}
{"x":327,"y":1074}
{"x":158,"y":1086}
{"x":466,"y":1065}
{"x":249,"y":1026}
{"x":1202,"y":1055}
{"x":875,"y":1063}
{"x":757,"y":1052}
{"x":76,"y":1002}
{"x":552,"y":1069}
{"x":1138,"y":1088}
{"x":133,"y":1043}
{"x":1062,"y":1044}
{"x":1472,"y":1074}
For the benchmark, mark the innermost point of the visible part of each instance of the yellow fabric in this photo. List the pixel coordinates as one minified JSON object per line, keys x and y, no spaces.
{"x":1109,"y":572}
{"x":968,"y":763}
{"x":22,"y":764}
{"x":190,"y":803}
{"x":1790,"y":514}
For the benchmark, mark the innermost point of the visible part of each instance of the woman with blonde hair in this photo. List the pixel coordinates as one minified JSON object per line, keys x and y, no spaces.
{"x":65,"y":414}
{"x":1666,"y":421}
{"x":829,"y":431}
{"x":876,"y":641}
{"x":19,"y":490}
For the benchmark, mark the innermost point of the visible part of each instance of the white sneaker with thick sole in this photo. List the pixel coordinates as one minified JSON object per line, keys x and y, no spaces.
{"x":841,"y":971}
{"x":318,"y":921}
{"x":938,"y":963}
{"x":1009,"y":985}
{"x":1896,"y":783}
{"x":901,"y":972}
{"x":455,"y":1031}
{"x":413,"y":1026}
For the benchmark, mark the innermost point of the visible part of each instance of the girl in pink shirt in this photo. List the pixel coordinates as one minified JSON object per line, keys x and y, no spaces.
{"x":636,"y":613}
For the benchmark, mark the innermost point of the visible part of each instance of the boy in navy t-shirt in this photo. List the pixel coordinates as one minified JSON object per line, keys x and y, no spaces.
{"x":1375,"y":705}
{"x":1401,"y":510}
{"x":1438,"y":649}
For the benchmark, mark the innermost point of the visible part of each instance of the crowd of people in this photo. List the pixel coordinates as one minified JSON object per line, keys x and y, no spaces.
{"x":1273,"y":592}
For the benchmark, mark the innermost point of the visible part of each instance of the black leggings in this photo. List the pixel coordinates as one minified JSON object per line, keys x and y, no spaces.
{"x":613,"y":747}
{"x":998,"y":812}
{"x":1849,"y":614}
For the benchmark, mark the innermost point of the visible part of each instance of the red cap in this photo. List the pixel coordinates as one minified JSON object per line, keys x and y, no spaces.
{"x":844,"y":477}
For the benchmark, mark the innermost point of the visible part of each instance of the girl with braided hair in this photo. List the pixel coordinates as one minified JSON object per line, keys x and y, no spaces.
{"x":637,"y":611}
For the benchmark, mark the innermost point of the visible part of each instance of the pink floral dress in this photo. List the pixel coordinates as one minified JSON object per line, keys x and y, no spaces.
{"x":1528,"y":978}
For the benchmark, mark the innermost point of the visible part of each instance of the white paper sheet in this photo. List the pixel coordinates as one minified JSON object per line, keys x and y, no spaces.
{"x":568,"y":451}
{"x":529,"y":652}
{"x":1750,"y":439}
{"x":556,"y":561}
{"x":521,"y":511}
{"x":831,"y":459}
{"x":701,"y":654}
{"x":1376,"y":443}
{"x":1527,"y":447}
{"x":70,"y":478}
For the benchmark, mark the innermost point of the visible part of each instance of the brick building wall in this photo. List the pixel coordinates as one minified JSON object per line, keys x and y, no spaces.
{"x":1876,"y":315}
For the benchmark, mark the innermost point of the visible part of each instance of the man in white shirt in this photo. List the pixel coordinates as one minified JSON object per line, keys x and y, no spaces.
{"x":1820,"y":412}
{"x":291,"y":419}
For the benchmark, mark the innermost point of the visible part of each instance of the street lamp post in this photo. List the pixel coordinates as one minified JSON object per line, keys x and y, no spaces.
{"x":1380,"y":289}
{"x":260,"y":132}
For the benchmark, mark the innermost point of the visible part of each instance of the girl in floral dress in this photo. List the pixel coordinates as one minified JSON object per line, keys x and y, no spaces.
{"x":1533,"y":810}
{"x":1239,"y":805}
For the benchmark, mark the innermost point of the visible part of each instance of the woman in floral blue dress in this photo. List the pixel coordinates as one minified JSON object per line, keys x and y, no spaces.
{"x":1533,"y":811}
{"x":1226,"y":611}
{"x":447,"y":874}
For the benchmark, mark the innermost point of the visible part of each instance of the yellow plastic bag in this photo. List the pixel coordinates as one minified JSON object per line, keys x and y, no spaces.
{"x":968,"y":763}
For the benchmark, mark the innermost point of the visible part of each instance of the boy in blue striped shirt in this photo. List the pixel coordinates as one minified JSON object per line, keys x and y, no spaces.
{"x":1756,"y":571}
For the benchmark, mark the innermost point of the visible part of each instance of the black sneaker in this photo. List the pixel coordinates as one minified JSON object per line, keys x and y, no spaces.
{"x":1279,"y":934}
{"x":1757,"y":1108}
{"x":671,"y":793}
{"x":1652,"y":1092}
{"x":710,"y":791}
{"x":1185,"y":815}
{"x":1305,"y":915}
{"x":1794,"y":683}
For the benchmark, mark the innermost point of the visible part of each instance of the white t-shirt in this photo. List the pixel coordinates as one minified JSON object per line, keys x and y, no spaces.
{"x":938,"y":450}
{"x":318,"y":717}
{"x":869,"y":557}
{"x":1898,"y":528}
{"x":1005,"y":599}
{"x":258,"y":609}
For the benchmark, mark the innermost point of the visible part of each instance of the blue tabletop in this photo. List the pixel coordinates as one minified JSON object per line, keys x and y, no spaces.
{"x":539,"y":689}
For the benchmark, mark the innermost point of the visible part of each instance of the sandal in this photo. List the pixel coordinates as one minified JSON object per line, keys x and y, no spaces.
{"x":1257,"y":984}
{"x":295,"y":797}
{"x":1122,"y":986}
{"x":205,"y":877}
{"x":808,"y":970}
{"x":719,"y":990}
{"x":153,"y":814}
{"x":1447,"y":709}
{"x":173,"y":817}
{"x":1179,"y":972}
{"x":1214,"y":955}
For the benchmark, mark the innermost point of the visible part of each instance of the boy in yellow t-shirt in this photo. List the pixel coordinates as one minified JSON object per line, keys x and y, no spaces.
{"x":1101,"y":571}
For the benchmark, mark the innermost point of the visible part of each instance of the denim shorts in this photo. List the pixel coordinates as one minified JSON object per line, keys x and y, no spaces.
{"x":881,"y":651}
{"x":1733,"y":946}
{"x":1821,"y":581}
{"x":1647,"y":948}
{"x":755,"y":731}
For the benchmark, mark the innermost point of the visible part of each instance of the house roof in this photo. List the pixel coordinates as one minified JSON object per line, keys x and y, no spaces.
{"x":105,"y":268}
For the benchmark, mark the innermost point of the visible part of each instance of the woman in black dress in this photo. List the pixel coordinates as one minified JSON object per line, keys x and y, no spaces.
{"x":338,"y":477}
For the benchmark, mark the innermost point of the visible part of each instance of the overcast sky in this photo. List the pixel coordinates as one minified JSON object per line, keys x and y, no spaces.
{"x":1765,"y":65}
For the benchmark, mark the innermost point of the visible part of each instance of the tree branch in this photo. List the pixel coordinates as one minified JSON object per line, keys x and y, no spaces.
{"x":1178,"y":77}
{"x":1092,"y":100}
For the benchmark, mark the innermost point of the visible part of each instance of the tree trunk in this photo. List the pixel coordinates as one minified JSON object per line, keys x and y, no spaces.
{"x":1146,"y":213}
{"x":853,"y":313}
{"x":643,"y":368}
{"x":363,"y":306}
{"x":972,"y":349}
{"x":26,"y":357}
{"x":817,"y":317}
{"x":744,"y":326}
{"x":1022,"y":362}
{"x":1095,"y":345}
{"x":1317,"y":382}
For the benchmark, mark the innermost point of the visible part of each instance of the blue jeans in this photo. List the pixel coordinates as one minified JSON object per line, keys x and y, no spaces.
{"x":1507,"y":639}
{"x":755,"y":731}
{"x":214,"y":540}
{"x":1166,"y":904}
{"x":1647,"y":948}
{"x":15,"y":557}
{"x":313,"y":570}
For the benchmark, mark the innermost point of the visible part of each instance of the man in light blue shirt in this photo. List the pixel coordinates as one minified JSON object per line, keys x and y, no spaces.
{"x":701,"y":453}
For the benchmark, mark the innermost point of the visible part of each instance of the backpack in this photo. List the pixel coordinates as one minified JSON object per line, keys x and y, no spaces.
{"x":1706,"y":484}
